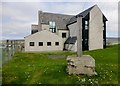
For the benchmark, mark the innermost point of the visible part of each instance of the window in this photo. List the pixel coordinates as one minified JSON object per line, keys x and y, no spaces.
{"x":31,"y":43}
{"x":86,"y":42}
{"x":48,"y":43}
{"x":52,"y":26}
{"x":63,"y":35}
{"x":86,"y":25}
{"x":86,"y":22}
{"x":40,"y":43}
{"x":56,"y":43}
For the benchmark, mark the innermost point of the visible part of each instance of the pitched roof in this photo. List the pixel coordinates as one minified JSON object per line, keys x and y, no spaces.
{"x":71,"y":40}
{"x":60,"y":19}
{"x":83,"y":14}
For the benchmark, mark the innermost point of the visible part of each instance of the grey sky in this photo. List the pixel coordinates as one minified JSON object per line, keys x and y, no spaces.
{"x":17,"y":17}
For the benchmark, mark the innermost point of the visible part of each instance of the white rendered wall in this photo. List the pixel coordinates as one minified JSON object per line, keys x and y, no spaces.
{"x":63,"y":31}
{"x":96,"y":29}
{"x":45,"y":27}
{"x":43,"y":36}
{"x":73,"y":29}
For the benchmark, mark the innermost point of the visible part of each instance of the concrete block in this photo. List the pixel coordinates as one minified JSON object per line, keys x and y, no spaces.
{"x":81,"y":65}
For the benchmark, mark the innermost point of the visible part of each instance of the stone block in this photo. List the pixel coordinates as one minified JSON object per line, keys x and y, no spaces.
{"x":81,"y":65}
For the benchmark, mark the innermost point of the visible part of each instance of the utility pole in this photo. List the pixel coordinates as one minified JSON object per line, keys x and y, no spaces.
{"x":79,"y":36}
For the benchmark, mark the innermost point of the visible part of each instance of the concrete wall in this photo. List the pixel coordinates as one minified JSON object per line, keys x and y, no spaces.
{"x":96,"y":29}
{"x":59,"y":32}
{"x":71,"y":47}
{"x":34,"y":27}
{"x":73,"y":29}
{"x":45,"y":27}
{"x":43,"y":36}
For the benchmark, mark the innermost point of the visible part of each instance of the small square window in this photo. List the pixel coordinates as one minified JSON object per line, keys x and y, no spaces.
{"x":48,"y":43}
{"x":31,"y":43}
{"x":63,"y":35}
{"x":86,"y":27}
{"x":40,"y":43}
{"x":86,"y":22}
{"x":56,"y":43}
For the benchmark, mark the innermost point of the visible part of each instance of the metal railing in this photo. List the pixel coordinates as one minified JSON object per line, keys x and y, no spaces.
{"x":9,"y":47}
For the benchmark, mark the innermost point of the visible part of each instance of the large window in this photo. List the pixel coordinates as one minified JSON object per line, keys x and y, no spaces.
{"x":40,"y":43}
{"x":48,"y":43}
{"x":86,"y":25}
{"x":31,"y":43}
{"x":52,"y":26}
{"x":63,"y":35}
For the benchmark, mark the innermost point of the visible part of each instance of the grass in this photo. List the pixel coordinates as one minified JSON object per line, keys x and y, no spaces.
{"x":37,"y":68}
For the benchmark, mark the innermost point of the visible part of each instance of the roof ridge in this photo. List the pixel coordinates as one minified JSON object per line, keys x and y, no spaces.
{"x":85,"y":12}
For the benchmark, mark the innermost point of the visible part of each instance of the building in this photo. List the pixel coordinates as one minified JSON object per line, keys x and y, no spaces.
{"x":57,"y":32}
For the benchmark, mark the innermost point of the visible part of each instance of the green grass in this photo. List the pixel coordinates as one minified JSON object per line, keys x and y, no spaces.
{"x":37,"y":68}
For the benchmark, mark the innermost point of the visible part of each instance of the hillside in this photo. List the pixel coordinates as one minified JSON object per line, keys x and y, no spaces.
{"x":38,"y":68}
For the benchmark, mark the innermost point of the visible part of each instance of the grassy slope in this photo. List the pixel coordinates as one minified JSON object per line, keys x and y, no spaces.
{"x":37,"y":68}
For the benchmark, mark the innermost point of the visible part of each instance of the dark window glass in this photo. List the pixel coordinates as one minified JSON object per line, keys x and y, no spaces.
{"x":57,"y":43}
{"x":48,"y":43}
{"x":63,"y":35}
{"x":40,"y":43}
{"x":31,"y":43}
{"x":34,"y":31}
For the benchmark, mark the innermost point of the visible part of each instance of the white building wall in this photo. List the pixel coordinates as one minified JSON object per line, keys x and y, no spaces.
{"x":45,"y":27}
{"x":63,"y":31}
{"x":43,"y":36}
{"x":96,"y":29}
{"x":73,"y":29}
{"x":71,"y":47}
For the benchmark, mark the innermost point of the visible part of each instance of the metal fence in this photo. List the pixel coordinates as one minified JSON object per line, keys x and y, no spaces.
{"x":9,"y":47}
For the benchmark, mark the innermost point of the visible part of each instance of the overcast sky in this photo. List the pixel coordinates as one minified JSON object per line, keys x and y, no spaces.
{"x":17,"y":17}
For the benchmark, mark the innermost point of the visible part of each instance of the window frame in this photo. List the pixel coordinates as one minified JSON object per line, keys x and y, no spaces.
{"x":40,"y":44}
{"x":56,"y":44}
{"x":52,"y":26}
{"x":49,"y":44}
{"x":64,"y":36}
{"x":31,"y":44}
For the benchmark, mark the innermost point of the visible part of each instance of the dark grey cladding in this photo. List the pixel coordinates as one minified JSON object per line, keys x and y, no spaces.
{"x":61,"y":20}
{"x":82,"y":14}
{"x":71,"y":40}
{"x":72,"y":20}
